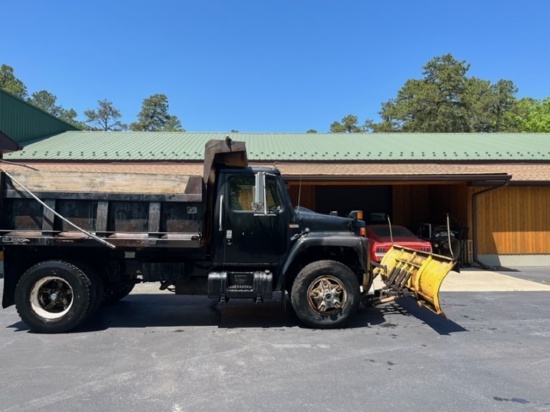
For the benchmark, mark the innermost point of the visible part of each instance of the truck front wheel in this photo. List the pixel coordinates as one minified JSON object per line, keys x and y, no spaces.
{"x":325,"y":294}
{"x":53,"y":296}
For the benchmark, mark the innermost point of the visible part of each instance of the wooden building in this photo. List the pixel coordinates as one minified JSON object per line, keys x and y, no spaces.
{"x":495,"y":186}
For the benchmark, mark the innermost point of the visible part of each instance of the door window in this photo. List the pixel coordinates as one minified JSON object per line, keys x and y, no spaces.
{"x":241,"y":194}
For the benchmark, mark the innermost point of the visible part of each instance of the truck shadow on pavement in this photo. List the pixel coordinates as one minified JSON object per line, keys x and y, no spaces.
{"x":141,"y":311}
{"x":166,"y":311}
{"x":409,"y":307}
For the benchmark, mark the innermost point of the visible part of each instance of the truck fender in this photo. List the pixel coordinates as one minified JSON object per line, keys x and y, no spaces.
{"x":310,"y":240}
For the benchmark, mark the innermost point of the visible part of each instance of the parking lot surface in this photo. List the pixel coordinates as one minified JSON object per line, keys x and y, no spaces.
{"x":155,"y":351}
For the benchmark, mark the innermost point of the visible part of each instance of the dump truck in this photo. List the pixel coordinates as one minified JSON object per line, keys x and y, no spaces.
{"x":73,"y":241}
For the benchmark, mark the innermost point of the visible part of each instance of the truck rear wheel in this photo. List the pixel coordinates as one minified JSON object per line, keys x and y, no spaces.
{"x":53,"y":296}
{"x":97,"y":290}
{"x":325,"y":294}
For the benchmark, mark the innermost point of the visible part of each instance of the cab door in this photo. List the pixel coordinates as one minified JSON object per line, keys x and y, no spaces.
{"x":249,"y":238}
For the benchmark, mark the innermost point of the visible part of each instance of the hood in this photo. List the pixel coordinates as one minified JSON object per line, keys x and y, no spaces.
{"x":318,"y":222}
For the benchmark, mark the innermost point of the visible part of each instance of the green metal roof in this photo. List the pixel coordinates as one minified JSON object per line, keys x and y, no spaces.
{"x":188,"y":146}
{"x":22,"y":122}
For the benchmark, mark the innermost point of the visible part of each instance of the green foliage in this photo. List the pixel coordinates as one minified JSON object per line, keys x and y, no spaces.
{"x":46,"y":101}
{"x":173,"y":124}
{"x":69,"y":116}
{"x":348,"y":124}
{"x":504,"y":105}
{"x":154,"y":116}
{"x":106,"y":117}
{"x":10,"y":83}
{"x":533,"y":115}
{"x":447,"y":100}
{"x":383,"y":127}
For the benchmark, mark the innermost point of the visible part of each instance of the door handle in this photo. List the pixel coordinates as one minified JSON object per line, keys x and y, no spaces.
{"x":220,"y":223}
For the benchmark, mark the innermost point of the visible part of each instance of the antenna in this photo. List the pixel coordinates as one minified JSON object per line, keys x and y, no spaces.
{"x":449,"y":236}
{"x":391,"y":231}
{"x":299,"y":191}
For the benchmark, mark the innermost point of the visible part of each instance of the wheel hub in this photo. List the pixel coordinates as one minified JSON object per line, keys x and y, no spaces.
{"x":326,"y":294}
{"x":51,"y":297}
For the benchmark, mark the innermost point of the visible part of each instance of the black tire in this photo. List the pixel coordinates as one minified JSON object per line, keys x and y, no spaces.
{"x":53,"y":297}
{"x":325,"y":294}
{"x":117,"y":291}
{"x":97,"y":291}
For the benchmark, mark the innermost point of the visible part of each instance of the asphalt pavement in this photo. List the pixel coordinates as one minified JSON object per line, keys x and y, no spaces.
{"x":155,"y":351}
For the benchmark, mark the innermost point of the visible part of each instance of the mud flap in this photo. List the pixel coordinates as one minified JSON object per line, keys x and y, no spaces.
{"x":406,"y":271}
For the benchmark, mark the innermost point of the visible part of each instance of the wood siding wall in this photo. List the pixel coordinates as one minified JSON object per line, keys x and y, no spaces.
{"x":410,"y":204}
{"x":414,"y":204}
{"x":514,"y":220}
{"x":304,"y":196}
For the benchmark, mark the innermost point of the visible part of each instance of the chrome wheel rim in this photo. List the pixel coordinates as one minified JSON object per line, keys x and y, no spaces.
{"x":51,"y":297}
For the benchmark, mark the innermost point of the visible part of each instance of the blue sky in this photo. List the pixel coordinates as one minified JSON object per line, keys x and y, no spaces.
{"x":265,"y":65}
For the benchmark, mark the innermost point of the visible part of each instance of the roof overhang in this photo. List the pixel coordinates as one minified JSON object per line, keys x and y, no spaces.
{"x":340,"y":173}
{"x":479,"y":178}
{"x":7,"y":145}
{"x":392,"y":173}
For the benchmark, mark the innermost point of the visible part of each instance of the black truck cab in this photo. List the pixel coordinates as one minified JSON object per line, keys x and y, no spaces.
{"x":251,"y":232}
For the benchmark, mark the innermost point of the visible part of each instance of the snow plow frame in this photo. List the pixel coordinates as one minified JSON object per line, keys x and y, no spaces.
{"x":409,"y":272}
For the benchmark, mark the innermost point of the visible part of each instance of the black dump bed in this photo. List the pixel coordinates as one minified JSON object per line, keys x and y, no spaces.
{"x":46,"y":207}
{"x":119,"y":209}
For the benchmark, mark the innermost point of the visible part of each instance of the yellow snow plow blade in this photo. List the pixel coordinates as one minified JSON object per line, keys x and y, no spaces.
{"x":403,"y":269}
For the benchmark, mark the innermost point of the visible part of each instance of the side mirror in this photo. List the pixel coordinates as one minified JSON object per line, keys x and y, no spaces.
{"x":259,"y":204}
